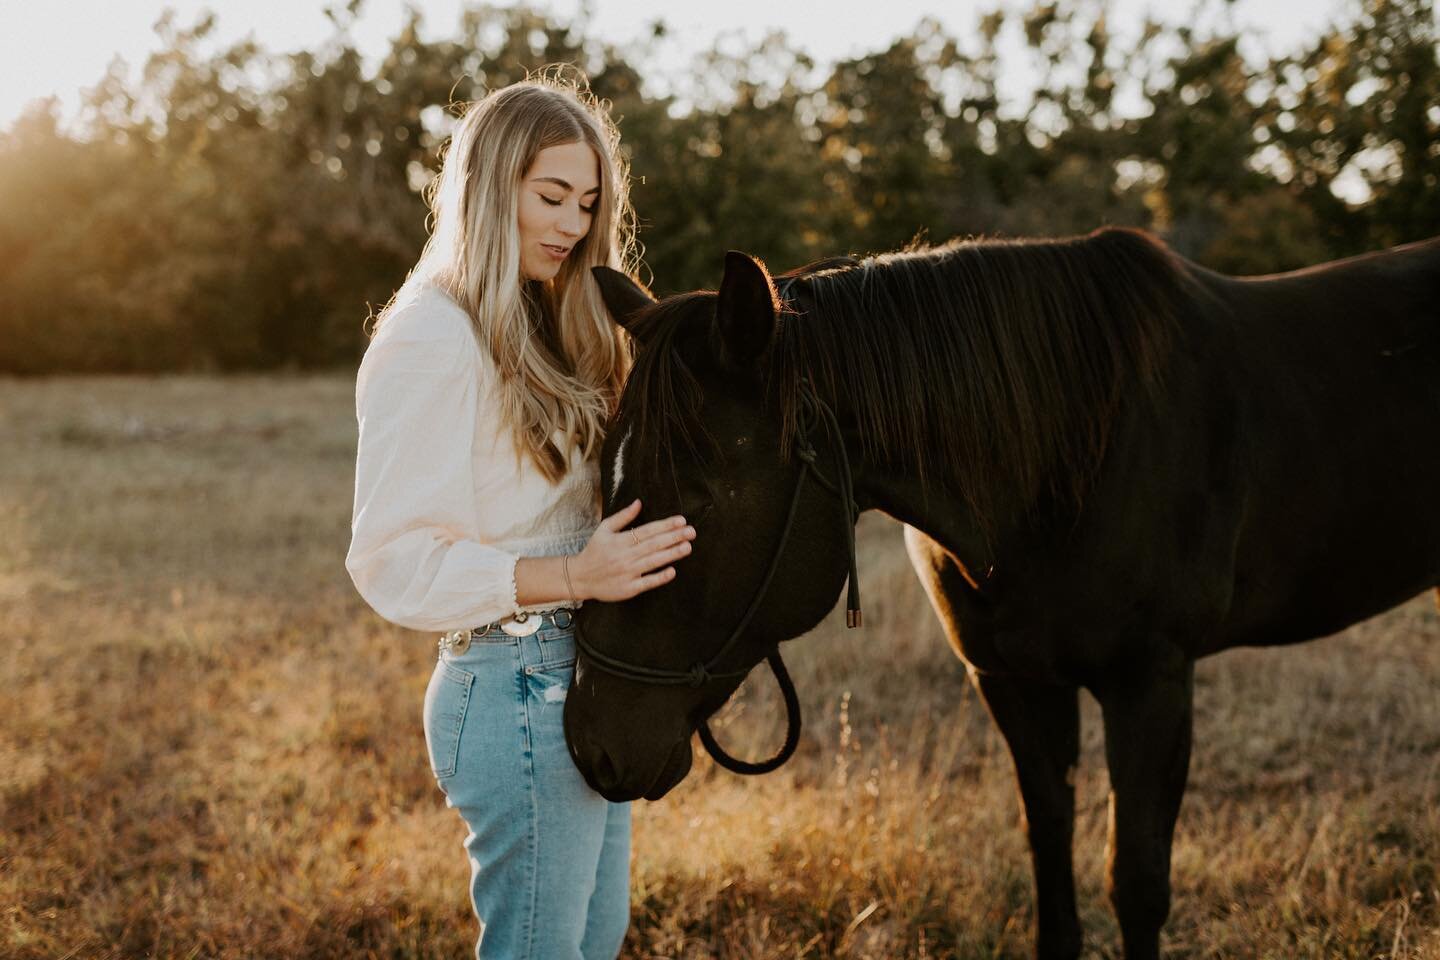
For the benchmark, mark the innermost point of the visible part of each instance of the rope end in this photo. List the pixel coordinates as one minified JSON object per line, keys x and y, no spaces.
{"x":852,"y":618}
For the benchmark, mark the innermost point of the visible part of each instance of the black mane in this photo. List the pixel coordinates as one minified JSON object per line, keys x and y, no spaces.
{"x":990,"y":368}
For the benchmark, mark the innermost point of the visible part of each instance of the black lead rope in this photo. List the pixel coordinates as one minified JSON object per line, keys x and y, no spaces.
{"x":792,"y":728}
{"x":702,"y":673}
{"x":845,"y":491}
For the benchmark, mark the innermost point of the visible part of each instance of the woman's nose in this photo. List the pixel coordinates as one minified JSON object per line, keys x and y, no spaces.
{"x":572,"y":223}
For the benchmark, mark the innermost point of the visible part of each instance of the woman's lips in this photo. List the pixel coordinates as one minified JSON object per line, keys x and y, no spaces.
{"x":559,"y":253}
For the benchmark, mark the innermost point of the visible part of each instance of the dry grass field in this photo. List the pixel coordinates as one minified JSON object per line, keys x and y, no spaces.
{"x":209,"y":746}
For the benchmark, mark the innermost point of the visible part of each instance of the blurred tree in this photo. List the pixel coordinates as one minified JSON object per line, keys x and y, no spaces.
{"x":1359,"y":113}
{"x":882,"y":139}
{"x":1266,"y":232}
{"x":86,"y":272}
{"x":1201,"y":133}
{"x":1073,"y":139}
{"x":740,"y":174}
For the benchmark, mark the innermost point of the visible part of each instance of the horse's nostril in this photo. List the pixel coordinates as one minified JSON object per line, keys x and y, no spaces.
{"x":605,"y":775}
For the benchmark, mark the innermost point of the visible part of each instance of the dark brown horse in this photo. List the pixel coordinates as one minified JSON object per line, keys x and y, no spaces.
{"x":1110,"y":462}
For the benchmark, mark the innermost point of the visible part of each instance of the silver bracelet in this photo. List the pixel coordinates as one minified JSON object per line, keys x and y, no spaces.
{"x":565,"y":566}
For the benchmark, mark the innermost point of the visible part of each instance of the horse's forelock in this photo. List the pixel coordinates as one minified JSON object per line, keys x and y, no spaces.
{"x":662,"y":396}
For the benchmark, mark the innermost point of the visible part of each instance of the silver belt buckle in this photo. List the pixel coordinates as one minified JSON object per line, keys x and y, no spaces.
{"x":456,"y":642}
{"x":523,"y":625}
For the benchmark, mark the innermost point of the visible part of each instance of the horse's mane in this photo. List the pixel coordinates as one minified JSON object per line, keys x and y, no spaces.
{"x":992,"y":368}
{"x":661,"y":393}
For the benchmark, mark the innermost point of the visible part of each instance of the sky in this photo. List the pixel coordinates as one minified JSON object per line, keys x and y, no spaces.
{"x":59,"y":47}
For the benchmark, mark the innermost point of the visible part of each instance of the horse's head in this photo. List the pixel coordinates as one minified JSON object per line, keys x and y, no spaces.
{"x":700,"y":431}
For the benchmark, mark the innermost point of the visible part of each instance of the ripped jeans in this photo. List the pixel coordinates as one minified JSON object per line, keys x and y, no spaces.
{"x":549,"y":857}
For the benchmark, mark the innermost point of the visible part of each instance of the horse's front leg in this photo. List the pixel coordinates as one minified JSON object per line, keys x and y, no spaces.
{"x":1041,"y":724}
{"x":1148,"y":715}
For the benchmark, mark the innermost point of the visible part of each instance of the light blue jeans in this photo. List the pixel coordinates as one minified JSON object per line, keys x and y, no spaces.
{"x":549,"y":857}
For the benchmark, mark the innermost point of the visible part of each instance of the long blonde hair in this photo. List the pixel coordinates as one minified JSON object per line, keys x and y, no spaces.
{"x":561,"y":360}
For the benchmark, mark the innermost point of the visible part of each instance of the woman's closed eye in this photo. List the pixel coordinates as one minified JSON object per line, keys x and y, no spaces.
{"x":555,"y":203}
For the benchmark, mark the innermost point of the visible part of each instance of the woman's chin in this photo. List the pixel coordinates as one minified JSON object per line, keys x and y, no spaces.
{"x":541,"y":272}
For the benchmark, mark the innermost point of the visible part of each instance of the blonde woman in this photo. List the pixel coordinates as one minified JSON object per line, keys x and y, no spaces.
{"x":481,"y":402}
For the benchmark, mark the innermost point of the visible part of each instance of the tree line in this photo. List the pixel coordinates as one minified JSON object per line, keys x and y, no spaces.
{"x":241,"y":210}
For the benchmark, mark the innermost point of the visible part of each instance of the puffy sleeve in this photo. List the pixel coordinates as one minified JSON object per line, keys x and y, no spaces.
{"x":414,"y":556}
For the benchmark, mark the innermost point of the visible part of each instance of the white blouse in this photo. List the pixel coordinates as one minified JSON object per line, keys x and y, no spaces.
{"x":443,"y":504}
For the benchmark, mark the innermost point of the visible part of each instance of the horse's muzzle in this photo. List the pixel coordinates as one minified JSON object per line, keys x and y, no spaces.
{"x":618,"y":785}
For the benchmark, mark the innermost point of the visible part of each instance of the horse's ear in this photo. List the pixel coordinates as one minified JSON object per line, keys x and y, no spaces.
{"x":623,"y":297}
{"x":745,"y":316}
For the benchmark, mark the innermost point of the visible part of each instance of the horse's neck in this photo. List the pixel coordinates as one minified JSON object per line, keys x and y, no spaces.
{"x":934,"y":510}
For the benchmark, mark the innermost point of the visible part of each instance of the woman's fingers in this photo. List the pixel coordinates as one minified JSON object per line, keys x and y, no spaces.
{"x":656,"y":528}
{"x":621,"y":518}
{"x":652,"y":580}
{"x":667,"y":553}
{"x":642,"y":555}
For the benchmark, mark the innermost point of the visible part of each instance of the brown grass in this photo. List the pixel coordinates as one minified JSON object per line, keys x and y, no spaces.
{"x":209,"y":746}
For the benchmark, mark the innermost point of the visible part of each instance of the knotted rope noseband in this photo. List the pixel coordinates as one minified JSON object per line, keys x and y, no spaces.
{"x":812,"y":409}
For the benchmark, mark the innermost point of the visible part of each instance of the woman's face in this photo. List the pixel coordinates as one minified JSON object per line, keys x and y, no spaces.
{"x":557,"y":202}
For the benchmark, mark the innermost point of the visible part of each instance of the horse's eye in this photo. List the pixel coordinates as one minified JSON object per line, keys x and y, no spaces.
{"x":696,"y":499}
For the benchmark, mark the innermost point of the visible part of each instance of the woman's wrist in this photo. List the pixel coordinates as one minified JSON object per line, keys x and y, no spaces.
{"x":541,"y":580}
{"x":576,"y":580}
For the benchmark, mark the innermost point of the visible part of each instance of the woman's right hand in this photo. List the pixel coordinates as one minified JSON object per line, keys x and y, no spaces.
{"x":618,"y":564}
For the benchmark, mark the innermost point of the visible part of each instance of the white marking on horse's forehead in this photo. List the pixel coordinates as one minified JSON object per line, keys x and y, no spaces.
{"x":618,"y":470}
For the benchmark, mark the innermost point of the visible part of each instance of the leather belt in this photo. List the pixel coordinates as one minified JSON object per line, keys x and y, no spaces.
{"x":523,"y":624}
